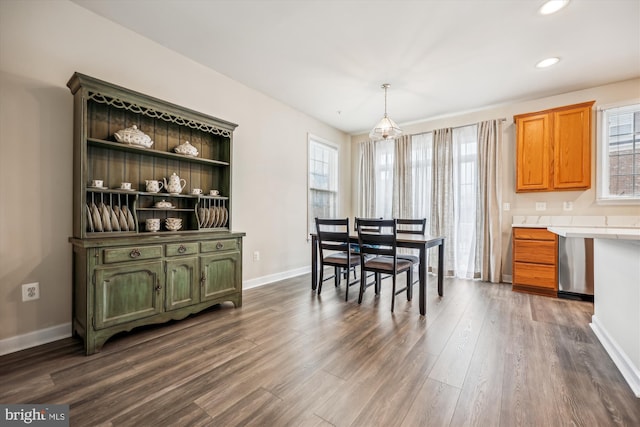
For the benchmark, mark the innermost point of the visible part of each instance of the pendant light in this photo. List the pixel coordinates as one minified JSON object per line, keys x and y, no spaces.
{"x":386,"y":128}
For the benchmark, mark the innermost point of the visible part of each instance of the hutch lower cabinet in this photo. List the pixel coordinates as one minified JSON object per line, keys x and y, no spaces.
{"x":152,"y":237}
{"x":119,"y":285}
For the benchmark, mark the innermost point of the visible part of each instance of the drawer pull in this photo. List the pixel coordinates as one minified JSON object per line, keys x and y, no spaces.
{"x":182,"y":249}
{"x":219,"y":245}
{"x":134,"y":253}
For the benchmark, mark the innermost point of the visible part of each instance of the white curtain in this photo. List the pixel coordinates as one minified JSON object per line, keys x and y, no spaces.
{"x":402,"y":178}
{"x":490,"y":199}
{"x":442,"y":212}
{"x":367,"y":180}
{"x":385,"y":159}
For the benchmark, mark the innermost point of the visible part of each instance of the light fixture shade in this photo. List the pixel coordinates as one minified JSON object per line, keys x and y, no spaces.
{"x":386,"y":128}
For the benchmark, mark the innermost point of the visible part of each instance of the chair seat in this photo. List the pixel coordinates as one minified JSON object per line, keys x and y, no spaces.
{"x":385,"y":263}
{"x":415,"y":259}
{"x":341,"y":259}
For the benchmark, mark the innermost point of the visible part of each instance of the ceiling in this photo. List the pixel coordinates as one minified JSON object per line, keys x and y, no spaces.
{"x":441,"y":57}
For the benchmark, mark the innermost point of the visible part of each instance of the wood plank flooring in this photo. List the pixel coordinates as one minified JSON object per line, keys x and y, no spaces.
{"x":483,"y":356}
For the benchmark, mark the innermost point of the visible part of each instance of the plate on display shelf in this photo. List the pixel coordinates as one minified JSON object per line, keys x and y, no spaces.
{"x":98,"y":188}
{"x":124,"y":189}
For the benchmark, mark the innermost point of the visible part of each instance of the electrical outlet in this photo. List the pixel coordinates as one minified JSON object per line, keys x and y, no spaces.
{"x":30,"y":291}
{"x":506,"y":207}
{"x":256,"y":255}
{"x":567,"y":206}
{"x":541,"y":206}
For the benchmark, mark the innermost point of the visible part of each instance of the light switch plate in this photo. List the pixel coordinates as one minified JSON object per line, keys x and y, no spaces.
{"x":541,"y":206}
{"x":506,"y":207}
{"x":567,"y":206}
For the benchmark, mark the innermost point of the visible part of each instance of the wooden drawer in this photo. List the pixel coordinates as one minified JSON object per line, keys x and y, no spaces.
{"x":134,"y":253}
{"x":176,"y":249}
{"x":535,"y":251}
{"x":219,"y":245}
{"x":533,"y":234}
{"x":541,"y":276}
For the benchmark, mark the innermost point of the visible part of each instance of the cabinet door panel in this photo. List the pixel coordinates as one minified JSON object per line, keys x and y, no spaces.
{"x":222,"y":274}
{"x":126,"y":293}
{"x":572,"y":149}
{"x":183,"y":283}
{"x":533,"y":153}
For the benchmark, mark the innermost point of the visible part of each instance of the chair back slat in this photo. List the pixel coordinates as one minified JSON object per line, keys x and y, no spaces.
{"x":411,"y":225}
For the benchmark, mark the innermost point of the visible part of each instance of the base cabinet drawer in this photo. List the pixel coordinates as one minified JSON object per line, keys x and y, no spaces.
{"x":544,"y":276}
{"x":535,"y":251}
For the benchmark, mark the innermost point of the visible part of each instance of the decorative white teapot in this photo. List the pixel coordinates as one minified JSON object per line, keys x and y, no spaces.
{"x":134,"y":136}
{"x":175,"y":184}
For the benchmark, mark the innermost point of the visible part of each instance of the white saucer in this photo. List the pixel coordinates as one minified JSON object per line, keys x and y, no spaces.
{"x":99,"y":188}
{"x":125,"y":189}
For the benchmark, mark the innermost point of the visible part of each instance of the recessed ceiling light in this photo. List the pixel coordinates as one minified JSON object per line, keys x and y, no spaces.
{"x":547,"y":62}
{"x":552,"y":6}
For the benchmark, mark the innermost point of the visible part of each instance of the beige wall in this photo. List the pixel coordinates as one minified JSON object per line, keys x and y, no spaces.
{"x":41,"y":44}
{"x":584,"y":202}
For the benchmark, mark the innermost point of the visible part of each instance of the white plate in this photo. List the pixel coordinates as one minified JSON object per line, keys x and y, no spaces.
{"x":125,"y":189}
{"x":89,"y":220}
{"x":99,"y":188}
{"x":97,"y":221}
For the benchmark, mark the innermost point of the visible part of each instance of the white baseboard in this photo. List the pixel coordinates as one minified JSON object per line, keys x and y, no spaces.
{"x":54,"y":333}
{"x":35,"y":338}
{"x":265,"y":280}
{"x":630,"y":372}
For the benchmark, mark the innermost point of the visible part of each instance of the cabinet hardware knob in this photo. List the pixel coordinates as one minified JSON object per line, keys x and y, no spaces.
{"x":134,"y":253}
{"x":182,"y":249}
{"x":203,"y":279}
{"x":219,"y":245}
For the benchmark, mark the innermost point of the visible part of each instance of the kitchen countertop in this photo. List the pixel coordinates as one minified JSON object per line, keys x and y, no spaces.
{"x":597,"y":232}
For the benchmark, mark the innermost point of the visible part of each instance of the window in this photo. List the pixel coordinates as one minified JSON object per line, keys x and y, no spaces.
{"x":323,"y":180}
{"x":619,"y":154}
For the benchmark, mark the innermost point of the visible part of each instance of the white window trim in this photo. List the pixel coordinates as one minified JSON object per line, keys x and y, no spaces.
{"x":602,"y":178}
{"x":313,"y":138}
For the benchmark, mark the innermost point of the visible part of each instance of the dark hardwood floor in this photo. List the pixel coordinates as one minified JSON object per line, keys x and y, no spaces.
{"x":483,"y":356}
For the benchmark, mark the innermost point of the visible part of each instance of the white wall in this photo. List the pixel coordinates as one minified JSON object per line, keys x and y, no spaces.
{"x":41,"y":44}
{"x":584,"y":202}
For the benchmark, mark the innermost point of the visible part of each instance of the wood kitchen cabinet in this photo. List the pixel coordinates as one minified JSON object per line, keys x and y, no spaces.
{"x":535,"y":261}
{"x":553,"y":149}
{"x":124,"y":275}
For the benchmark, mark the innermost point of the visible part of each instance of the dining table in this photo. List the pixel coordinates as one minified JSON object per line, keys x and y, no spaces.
{"x":422,"y":242}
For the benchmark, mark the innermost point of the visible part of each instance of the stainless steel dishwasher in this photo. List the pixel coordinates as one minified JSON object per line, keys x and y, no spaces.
{"x":575,"y":268}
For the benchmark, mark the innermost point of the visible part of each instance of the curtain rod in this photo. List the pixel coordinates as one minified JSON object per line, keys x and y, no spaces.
{"x":453,"y":127}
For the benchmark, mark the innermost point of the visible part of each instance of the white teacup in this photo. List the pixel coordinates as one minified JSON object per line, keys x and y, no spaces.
{"x":214,"y":193}
{"x":152,"y":224}
{"x":97,"y":183}
{"x":196,"y":191}
{"x":125,"y":186}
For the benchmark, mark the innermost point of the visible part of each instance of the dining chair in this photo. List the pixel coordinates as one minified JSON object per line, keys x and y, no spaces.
{"x":333,"y":241}
{"x":411,"y":226}
{"x":378,"y":254}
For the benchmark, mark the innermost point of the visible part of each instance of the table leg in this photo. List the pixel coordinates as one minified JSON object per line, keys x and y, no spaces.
{"x":441,"y":268}
{"x":422,"y":286}
{"x":314,"y":263}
